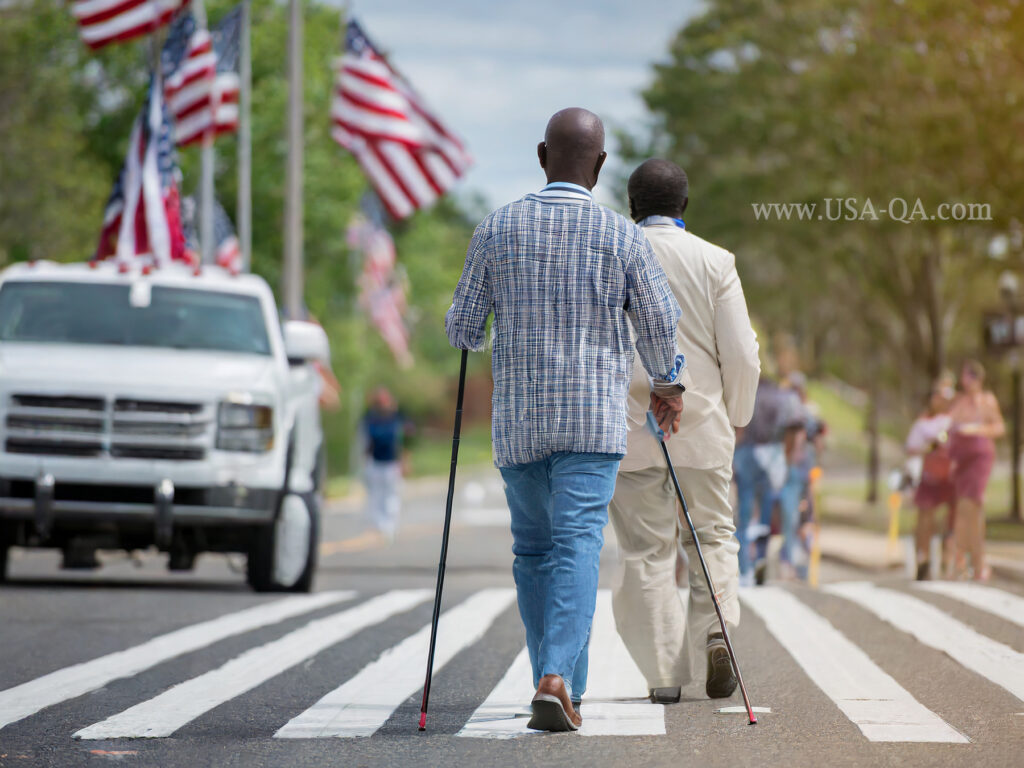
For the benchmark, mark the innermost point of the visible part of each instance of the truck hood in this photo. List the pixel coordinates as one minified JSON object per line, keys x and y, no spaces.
{"x":70,"y":368}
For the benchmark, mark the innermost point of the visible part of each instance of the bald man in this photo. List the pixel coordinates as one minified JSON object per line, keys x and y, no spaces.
{"x":661,"y":631}
{"x":564,"y":278}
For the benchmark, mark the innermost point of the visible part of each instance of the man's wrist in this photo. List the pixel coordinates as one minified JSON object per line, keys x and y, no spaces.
{"x":668,"y":389}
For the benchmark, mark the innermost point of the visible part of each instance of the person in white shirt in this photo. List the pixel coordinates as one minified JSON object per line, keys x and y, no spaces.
{"x":929,"y":441}
{"x":721,"y":377}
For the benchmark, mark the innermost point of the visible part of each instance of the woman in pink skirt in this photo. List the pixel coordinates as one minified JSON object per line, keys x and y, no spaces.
{"x":929,"y":439}
{"x":977,"y":422}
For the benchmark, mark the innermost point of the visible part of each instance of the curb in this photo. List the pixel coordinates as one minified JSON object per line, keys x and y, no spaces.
{"x":845,"y":559}
{"x":1003,"y":567}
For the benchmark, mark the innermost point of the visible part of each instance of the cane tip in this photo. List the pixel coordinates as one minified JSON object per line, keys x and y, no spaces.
{"x":423,"y":721}
{"x":753,"y":720}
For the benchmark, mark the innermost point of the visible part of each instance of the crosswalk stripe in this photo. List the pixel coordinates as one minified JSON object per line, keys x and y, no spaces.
{"x":1005,"y":605}
{"x":505,"y":712}
{"x":360,"y":706}
{"x":616,"y":698}
{"x":169,"y":711}
{"x":70,"y":682}
{"x":993,"y":660}
{"x":615,"y":703}
{"x":866,"y":694}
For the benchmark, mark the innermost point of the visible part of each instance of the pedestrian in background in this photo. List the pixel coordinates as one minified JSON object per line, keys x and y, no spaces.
{"x":661,"y":630}
{"x":804,"y":445}
{"x":384,"y":430}
{"x":562,"y":275}
{"x":760,"y":472}
{"x":977,"y":422}
{"x":929,"y":440}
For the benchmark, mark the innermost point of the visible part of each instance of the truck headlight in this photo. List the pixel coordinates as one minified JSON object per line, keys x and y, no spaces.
{"x":244,"y":427}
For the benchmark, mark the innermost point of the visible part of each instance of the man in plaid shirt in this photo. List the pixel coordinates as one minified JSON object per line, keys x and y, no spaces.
{"x":564,"y":277}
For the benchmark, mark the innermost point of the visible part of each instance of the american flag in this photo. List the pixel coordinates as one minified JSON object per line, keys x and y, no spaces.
{"x":227,"y":46}
{"x":142,"y":216}
{"x":410,"y":158}
{"x":381,"y":285}
{"x":201,"y":77}
{"x":228,"y":252}
{"x":101,"y":22}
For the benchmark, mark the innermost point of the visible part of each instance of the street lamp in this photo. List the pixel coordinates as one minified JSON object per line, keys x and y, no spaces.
{"x":1008,"y":288}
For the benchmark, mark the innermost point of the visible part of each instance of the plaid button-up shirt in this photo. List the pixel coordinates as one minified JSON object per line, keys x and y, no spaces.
{"x":561,"y":275}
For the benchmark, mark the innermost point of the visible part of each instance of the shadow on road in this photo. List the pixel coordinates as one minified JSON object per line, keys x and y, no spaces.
{"x":176,"y":586}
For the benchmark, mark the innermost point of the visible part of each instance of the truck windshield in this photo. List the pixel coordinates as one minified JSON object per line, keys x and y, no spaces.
{"x":102,"y":313}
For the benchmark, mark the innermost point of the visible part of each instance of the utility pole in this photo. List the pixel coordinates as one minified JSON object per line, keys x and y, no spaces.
{"x":874,"y":459}
{"x":292,"y":272}
{"x":244,"y":203}
{"x":1015,"y":437}
{"x":206,"y":159}
{"x":1008,"y":290}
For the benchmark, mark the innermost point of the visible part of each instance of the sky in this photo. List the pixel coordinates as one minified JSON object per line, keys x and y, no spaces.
{"x":496,"y":71}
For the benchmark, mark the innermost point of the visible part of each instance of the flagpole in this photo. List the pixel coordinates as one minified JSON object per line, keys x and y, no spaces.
{"x":292,"y":287}
{"x":244,"y":202}
{"x":206,"y":159}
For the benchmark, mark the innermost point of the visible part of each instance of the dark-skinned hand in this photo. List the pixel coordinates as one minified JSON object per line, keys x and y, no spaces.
{"x":667,"y":412}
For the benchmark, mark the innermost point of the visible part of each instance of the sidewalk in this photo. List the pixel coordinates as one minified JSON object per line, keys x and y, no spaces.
{"x":872,"y":551}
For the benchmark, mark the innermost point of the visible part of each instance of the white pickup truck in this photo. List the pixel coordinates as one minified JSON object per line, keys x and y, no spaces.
{"x":158,"y":408}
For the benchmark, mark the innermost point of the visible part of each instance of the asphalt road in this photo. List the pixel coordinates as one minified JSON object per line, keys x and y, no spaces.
{"x":868,"y":670}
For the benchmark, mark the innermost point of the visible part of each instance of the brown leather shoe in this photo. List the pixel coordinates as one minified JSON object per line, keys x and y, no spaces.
{"x":552,"y":707}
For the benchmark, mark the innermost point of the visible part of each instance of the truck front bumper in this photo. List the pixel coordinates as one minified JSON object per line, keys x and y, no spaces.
{"x":47,"y":503}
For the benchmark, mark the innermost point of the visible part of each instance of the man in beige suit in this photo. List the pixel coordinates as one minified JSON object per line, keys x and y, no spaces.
{"x":715,"y":334}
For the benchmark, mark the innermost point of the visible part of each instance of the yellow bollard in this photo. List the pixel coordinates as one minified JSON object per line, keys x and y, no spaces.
{"x":895,"y":502}
{"x":814,"y":566}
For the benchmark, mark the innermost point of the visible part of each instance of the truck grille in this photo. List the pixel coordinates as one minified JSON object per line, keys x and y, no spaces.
{"x":67,"y":425}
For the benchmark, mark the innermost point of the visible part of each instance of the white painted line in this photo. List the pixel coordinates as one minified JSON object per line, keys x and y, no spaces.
{"x":992,"y":660}
{"x":499,"y":717}
{"x":866,"y":694}
{"x":70,"y":682}
{"x":360,"y":706}
{"x":1005,"y":605}
{"x":615,"y":703}
{"x":743,"y":710}
{"x":166,"y":713}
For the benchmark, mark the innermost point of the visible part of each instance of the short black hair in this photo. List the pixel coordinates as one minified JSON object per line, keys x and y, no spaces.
{"x":657,"y":187}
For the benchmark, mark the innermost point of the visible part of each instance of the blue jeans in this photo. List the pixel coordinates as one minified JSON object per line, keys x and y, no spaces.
{"x":752,"y":484}
{"x":559,"y":509}
{"x":789,"y":505}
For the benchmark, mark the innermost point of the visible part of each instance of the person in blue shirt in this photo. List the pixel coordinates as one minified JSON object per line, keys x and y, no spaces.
{"x":384,"y":431}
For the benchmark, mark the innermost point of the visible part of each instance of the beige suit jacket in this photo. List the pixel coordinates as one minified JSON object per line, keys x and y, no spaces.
{"x":722,"y":364}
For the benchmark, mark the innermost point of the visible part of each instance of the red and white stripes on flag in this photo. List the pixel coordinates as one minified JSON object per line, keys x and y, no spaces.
{"x":410,"y":158}
{"x":101,"y":22}
{"x":143,"y":215}
{"x":201,"y":94}
{"x":381,"y":289}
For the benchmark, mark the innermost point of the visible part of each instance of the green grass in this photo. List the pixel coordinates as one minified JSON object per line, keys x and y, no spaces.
{"x":845,"y":423}
{"x":431,"y":454}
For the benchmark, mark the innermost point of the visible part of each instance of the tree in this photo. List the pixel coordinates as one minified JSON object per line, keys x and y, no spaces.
{"x":65,"y":117}
{"x":817,"y":102}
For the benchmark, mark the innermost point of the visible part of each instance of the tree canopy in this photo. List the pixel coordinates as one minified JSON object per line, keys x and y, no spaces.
{"x":842,"y":103}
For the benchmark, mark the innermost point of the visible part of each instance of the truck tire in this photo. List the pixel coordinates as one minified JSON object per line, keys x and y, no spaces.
{"x":283,"y":554}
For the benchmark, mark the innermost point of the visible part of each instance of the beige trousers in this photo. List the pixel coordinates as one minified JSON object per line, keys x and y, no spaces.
{"x":665,"y":629}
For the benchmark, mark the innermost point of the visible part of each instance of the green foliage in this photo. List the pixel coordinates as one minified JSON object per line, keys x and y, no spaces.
{"x":46,"y":174}
{"x":65,"y":117}
{"x":798,"y":101}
